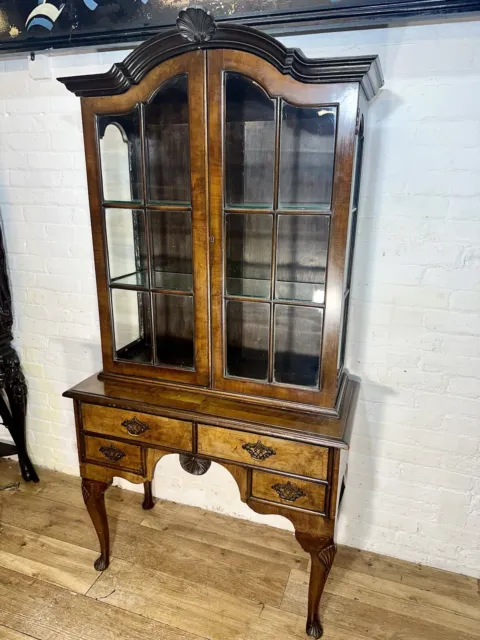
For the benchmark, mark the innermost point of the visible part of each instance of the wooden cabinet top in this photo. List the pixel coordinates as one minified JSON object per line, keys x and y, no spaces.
{"x":224,"y":176}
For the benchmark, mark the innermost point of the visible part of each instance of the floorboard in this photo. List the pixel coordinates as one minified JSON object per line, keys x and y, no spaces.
{"x":181,"y":573}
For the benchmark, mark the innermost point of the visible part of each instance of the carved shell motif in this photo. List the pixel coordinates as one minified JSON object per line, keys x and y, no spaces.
{"x":326,"y":556}
{"x":288,"y":491}
{"x":112,"y":453}
{"x":193,"y":465}
{"x":196,"y":25}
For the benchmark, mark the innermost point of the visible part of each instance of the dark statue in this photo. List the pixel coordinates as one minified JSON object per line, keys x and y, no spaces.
{"x":13,"y":394}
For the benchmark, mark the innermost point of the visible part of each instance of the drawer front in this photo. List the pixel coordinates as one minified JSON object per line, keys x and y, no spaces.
{"x":142,"y":427}
{"x":125,"y":456}
{"x":289,"y":491}
{"x":263,"y":451}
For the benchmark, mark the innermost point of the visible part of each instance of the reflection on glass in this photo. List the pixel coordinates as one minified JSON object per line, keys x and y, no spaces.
{"x":298,"y":332}
{"x":127,"y":252}
{"x":168,"y":143}
{"x":302,"y":244}
{"x":247,"y":339}
{"x":307,"y":146}
{"x":132,"y":325}
{"x":171,"y":233}
{"x":249,"y":248}
{"x":120,"y":153}
{"x":249,"y":143}
{"x":174,"y":325}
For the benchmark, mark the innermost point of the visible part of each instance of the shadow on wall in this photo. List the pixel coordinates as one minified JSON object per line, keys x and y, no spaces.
{"x":354,"y":525}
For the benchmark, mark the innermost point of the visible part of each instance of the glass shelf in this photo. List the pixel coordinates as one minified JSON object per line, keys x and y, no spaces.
{"x":172,"y":281}
{"x":320,"y":207}
{"x":135,"y":279}
{"x":286,"y":291}
{"x":123,"y":203}
{"x":174,"y":204}
{"x":248,"y":287}
{"x":160,"y":280}
{"x":301,"y":291}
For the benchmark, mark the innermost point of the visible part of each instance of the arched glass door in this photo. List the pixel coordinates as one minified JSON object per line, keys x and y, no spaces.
{"x":271,"y":214}
{"x":153,"y":211}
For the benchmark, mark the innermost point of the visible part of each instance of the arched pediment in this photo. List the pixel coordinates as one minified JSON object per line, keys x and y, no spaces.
{"x":196,"y":29}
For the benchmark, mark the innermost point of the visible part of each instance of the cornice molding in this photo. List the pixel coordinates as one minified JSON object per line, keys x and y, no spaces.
{"x":365,"y":70}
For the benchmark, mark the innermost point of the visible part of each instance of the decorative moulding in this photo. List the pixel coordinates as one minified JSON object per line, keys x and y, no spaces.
{"x":196,"y":29}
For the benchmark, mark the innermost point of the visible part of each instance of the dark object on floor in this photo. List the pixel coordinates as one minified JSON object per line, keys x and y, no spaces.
{"x":13,"y":388}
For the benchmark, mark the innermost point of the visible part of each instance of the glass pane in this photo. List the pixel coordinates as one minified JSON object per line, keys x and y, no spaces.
{"x":127,"y":252}
{"x":249,"y":143}
{"x":120,"y":153}
{"x":132,"y":325}
{"x":298,"y":332}
{"x":307,"y":150}
{"x":168,"y":143}
{"x":171,"y":233}
{"x":249,"y":250}
{"x":174,"y":324}
{"x":302,"y":245}
{"x":247,"y":339}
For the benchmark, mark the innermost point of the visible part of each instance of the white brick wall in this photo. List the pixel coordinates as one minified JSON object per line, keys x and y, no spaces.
{"x":414,"y":478}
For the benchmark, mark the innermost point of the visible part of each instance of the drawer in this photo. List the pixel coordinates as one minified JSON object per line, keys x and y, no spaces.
{"x":125,"y":456}
{"x":263,"y":451}
{"x":142,"y":427}
{"x":289,"y":491}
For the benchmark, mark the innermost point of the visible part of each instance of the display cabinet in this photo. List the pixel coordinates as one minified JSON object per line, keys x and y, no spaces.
{"x":223,"y":175}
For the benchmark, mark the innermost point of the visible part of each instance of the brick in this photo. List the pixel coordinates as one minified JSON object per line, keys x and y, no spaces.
{"x":436,"y":477}
{"x":450,"y":321}
{"x":24,"y":141}
{"x":63,"y":283}
{"x":469,"y":387}
{"x":27,"y":104}
{"x":465,"y":300}
{"x":42,"y":179}
{"x":13,"y":160}
{"x":49,"y":160}
{"x":449,"y":134}
{"x":463,"y":208}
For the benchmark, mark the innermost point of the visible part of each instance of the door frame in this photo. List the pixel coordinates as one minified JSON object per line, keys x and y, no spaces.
{"x":194,"y":65}
{"x":345,"y":96}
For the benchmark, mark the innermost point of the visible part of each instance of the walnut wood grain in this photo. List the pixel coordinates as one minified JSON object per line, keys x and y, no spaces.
{"x":288,"y":491}
{"x":188,"y":403}
{"x":119,"y":454}
{"x":322,"y":551}
{"x":168,"y":432}
{"x":93,"y":492}
{"x":306,"y":460}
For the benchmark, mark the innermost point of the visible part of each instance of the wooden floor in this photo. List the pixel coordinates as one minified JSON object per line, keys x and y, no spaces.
{"x":180,"y":573}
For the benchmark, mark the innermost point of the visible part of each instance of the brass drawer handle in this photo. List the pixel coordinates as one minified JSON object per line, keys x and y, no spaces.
{"x":259,"y":451}
{"x":288,"y":491}
{"x":112,"y":453}
{"x":134,"y":426}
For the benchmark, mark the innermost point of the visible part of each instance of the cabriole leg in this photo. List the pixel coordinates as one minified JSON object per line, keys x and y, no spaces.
{"x":93,"y":492}
{"x":322,"y":551}
{"x":148,"y":501}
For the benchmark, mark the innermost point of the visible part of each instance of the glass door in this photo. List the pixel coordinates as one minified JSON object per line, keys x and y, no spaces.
{"x":153,"y":215}
{"x":271,"y":219}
